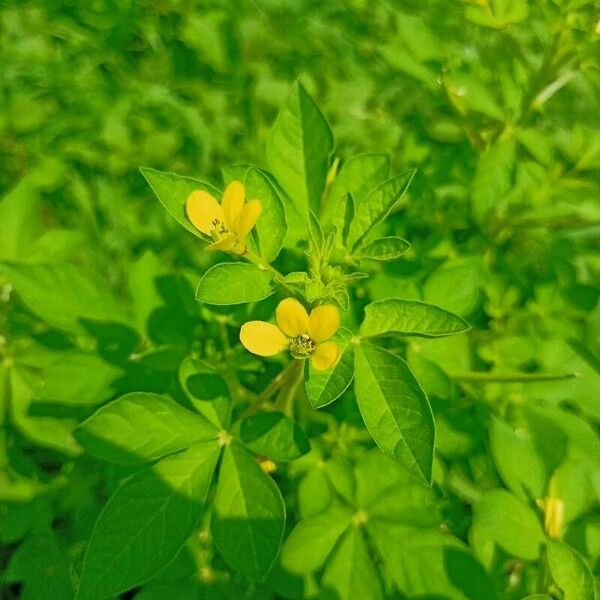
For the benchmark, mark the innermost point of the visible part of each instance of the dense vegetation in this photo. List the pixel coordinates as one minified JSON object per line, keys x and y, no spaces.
{"x":429,"y":168}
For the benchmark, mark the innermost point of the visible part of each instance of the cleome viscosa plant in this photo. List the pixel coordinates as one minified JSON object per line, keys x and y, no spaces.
{"x":297,"y":240}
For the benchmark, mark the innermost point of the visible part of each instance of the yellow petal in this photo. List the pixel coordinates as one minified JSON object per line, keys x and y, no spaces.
{"x":247,"y":218}
{"x":202,"y":209}
{"x":325,"y":356}
{"x":262,"y":338}
{"x":292,"y":317}
{"x":233,"y":201}
{"x":227,"y":244}
{"x":323,"y":322}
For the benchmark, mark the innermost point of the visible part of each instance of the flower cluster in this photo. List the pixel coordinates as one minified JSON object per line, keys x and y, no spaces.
{"x":304,"y":335}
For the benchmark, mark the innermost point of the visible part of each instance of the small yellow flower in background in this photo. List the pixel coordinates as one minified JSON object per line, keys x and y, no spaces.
{"x":227,"y":223}
{"x":305,"y":336}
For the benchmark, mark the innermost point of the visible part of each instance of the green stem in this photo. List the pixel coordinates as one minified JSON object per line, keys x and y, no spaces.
{"x":510,"y":377}
{"x":265,"y":266}
{"x":542,"y":582}
{"x":283,"y":378}
{"x":285,"y":401}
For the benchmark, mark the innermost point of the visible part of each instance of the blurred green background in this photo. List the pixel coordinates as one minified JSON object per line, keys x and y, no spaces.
{"x":495,"y":102}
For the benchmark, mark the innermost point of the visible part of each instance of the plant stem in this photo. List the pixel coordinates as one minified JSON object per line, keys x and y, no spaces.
{"x":510,"y":377}
{"x":285,"y":401}
{"x":287,"y":375}
{"x":265,"y":266}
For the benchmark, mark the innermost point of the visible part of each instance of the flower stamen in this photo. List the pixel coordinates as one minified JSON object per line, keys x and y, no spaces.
{"x":302,"y":346}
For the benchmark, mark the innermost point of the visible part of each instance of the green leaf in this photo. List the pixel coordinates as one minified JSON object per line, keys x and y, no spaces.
{"x":357,"y":177}
{"x":521,"y":469}
{"x":570,"y":572}
{"x":425,"y":563}
{"x":62,"y":294}
{"x":469,"y":94}
{"x":504,"y":13}
{"x":394,"y":408}
{"x":387,"y":490}
{"x":142,"y":286}
{"x":493,"y":179}
{"x":146,"y":521}
{"x":350,"y":572}
{"x":47,"y":432}
{"x":234,"y":283}
{"x":323,"y":387}
{"x":274,"y":435}
{"x":385,"y":248}
{"x":42,"y":566}
{"x":409,"y":317}
{"x":140,"y":427}
{"x":314,"y":492}
{"x":510,"y":523}
{"x":249,"y":514}
{"x":20,"y":223}
{"x":77,"y":378}
{"x":453,"y":288}
{"x":298,"y":150}
{"x":207,"y":391}
{"x":376,"y":206}
{"x":173,"y":190}
{"x":271,"y":228}
{"x":312,"y":540}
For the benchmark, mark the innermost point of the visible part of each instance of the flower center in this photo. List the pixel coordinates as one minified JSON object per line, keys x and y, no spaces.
{"x":302,"y":346}
{"x":218,"y":229}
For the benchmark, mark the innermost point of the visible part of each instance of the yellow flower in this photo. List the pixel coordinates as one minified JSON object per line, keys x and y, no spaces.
{"x":227,"y":223}
{"x":305,"y":336}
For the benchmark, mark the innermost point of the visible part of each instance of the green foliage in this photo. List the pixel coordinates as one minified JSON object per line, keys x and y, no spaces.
{"x":429,"y":169}
{"x":234,"y":283}
{"x":395,"y":408}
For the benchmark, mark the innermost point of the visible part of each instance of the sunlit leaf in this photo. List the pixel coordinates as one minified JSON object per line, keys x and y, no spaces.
{"x":394,"y":408}
{"x":139,"y":427}
{"x":146,"y":521}
{"x":234,"y":283}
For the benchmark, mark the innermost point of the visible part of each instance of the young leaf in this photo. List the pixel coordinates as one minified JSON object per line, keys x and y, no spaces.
{"x":410,"y":317}
{"x":350,"y":572}
{"x":140,"y":427}
{"x":274,"y":435}
{"x":146,"y":521}
{"x":173,"y":190}
{"x":385,"y":248}
{"x":376,"y":206}
{"x":312,"y":540}
{"x":315,"y":233}
{"x":271,"y":227}
{"x":234,"y":283}
{"x":570,"y":572}
{"x":298,"y":150}
{"x":510,"y":523}
{"x":249,"y":514}
{"x":323,"y":387}
{"x":394,"y":408}
{"x":357,"y":177}
{"x":207,"y":391}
